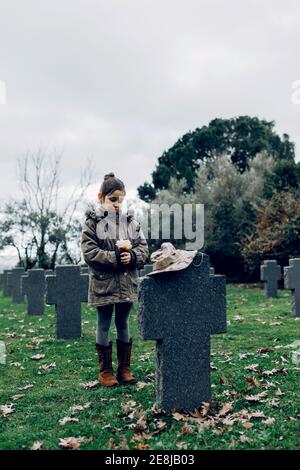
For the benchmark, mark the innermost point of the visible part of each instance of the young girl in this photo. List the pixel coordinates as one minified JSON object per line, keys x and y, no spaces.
{"x":114,"y":247}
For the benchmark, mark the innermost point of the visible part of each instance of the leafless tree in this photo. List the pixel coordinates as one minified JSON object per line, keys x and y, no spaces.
{"x":42,"y":226}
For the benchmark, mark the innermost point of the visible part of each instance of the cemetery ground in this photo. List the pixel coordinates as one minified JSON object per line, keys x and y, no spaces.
{"x":49,"y":398}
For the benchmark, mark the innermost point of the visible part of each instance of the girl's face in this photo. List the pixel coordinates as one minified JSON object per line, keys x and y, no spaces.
{"x":112,"y":201}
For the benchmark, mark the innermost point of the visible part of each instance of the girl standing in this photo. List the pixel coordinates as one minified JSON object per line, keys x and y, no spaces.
{"x":114,"y":247}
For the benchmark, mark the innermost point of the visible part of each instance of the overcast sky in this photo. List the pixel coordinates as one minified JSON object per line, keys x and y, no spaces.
{"x":120,"y":81}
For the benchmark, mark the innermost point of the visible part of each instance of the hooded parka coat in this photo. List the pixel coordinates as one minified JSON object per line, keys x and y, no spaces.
{"x":110,"y":281}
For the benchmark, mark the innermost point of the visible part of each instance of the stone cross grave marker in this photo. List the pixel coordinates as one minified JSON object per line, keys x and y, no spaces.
{"x":15,"y":285}
{"x":180,"y":310}
{"x":66,"y":290}
{"x":34,"y":287}
{"x":270,"y":274}
{"x":292,"y":281}
{"x":146,"y":269}
{"x":6,"y":282}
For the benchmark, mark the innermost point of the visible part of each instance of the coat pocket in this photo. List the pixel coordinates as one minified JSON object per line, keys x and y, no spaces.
{"x":134,"y":280}
{"x":104,"y":284}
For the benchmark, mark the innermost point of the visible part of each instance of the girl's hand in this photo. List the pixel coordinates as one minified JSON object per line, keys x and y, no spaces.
{"x":125,"y":257}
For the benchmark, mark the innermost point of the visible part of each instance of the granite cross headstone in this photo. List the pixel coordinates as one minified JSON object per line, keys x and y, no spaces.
{"x":180,"y":310}
{"x":292,"y":281}
{"x":6,"y":283}
{"x":34,"y":287}
{"x":67,"y":289}
{"x":15,"y":283}
{"x":148,"y":268}
{"x":270,"y":274}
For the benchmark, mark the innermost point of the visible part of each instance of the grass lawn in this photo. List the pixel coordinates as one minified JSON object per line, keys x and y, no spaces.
{"x":255,"y":385}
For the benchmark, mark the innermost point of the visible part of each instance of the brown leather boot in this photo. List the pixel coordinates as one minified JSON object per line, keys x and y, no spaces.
{"x":124,"y":374}
{"x":106,"y":375}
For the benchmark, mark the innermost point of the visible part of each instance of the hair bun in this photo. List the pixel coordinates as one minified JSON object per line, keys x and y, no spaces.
{"x":109,"y":175}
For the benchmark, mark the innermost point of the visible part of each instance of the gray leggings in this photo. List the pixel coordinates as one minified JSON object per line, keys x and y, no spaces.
{"x":105,"y":312}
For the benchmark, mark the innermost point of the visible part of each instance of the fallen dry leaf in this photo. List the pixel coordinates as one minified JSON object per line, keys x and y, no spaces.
{"x":112,"y":443}
{"x":128,"y":405}
{"x":256,"y":398}
{"x":38,"y":357}
{"x":123,"y":444}
{"x":71,"y":442}
{"x":252,"y":381}
{"x":12,"y":335}
{"x":269,"y":421}
{"x":142,"y":446}
{"x":218,"y":431}
{"x":244,"y":355}
{"x":257,"y":414}
{"x":281,"y":370}
{"x":36,"y":445}
{"x":141,"y":385}
{"x":75,"y":408}
{"x":68,"y":419}
{"x":181,"y":445}
{"x":238,"y":318}
{"x":186,"y":429}
{"x":178,"y":416}
{"x":265,"y":350}
{"x":251,"y":367}
{"x":142,"y":436}
{"x":205,"y":408}
{"x":247,"y":425}
{"x":18,"y":396}
{"x":226,"y":408}
{"x":161,"y":425}
{"x":228,"y":421}
{"x":7,"y":409}
{"x":141,"y":424}
{"x":25,"y":387}
{"x":48,"y":366}
{"x":223,"y":380}
{"x":274,"y":402}
{"x":93,"y":384}
{"x":245,"y":439}
{"x":284,"y":360}
{"x":208,"y":423}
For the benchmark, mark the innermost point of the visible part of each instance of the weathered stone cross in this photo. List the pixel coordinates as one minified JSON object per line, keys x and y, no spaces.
{"x":67,"y":289}
{"x":180,"y":310}
{"x":34,"y":287}
{"x":147,"y":269}
{"x":14,"y":280}
{"x":292,"y":281}
{"x":270,"y":274}
{"x":6,"y":282}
